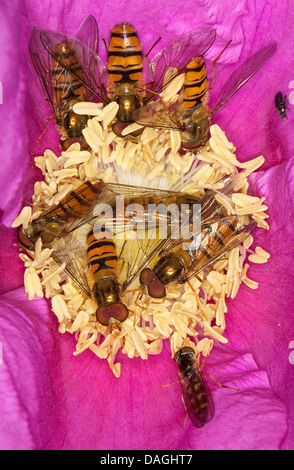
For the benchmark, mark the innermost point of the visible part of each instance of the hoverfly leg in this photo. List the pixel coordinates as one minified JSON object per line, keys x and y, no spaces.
{"x":214,"y":379}
{"x":186,"y":414}
{"x":168,"y":385}
{"x":114,"y":325}
{"x":148,"y":61}
{"x":214,"y":61}
{"x":45,"y":128}
{"x":152,"y":47}
{"x":140,"y":291}
{"x":219,"y":384}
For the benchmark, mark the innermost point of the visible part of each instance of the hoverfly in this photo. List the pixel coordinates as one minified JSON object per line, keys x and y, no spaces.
{"x":60,"y":63}
{"x":113,"y":261}
{"x":51,"y":223}
{"x":219,"y":234}
{"x":125,"y":66}
{"x":280,"y":103}
{"x":192,"y":116}
{"x":78,"y":208}
{"x":103,"y":263}
{"x":196,"y":395}
{"x":123,"y":82}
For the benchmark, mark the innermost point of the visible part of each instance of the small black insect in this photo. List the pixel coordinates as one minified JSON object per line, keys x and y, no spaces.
{"x":280,"y":102}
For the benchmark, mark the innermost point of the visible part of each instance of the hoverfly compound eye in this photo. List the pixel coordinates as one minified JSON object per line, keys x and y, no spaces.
{"x":118,"y":128}
{"x":155,"y":288}
{"x":23,"y":239}
{"x":118,"y":312}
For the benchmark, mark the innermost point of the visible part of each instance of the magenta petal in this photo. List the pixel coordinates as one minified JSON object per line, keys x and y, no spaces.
{"x":52,"y":400}
{"x":262,"y":320}
{"x":251,"y":116}
{"x":13,"y":140}
{"x":25,"y":338}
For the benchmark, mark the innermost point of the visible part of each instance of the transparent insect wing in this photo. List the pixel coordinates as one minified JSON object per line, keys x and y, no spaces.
{"x":121,"y":196}
{"x":93,"y":72}
{"x":244,"y":73}
{"x":139,"y":230}
{"x":196,"y":393}
{"x":176,"y":55}
{"x":211,"y":236}
{"x":42,"y":63}
{"x":135,"y":248}
{"x":219,"y":234}
{"x":88,"y":33}
{"x":72,"y":252}
{"x":138,"y":251}
{"x":158,"y":115}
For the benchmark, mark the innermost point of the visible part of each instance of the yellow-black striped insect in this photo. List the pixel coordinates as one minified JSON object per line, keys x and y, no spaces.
{"x":125,"y":67}
{"x":126,"y":220}
{"x":55,"y":221}
{"x":130,"y":79}
{"x":192,"y":115}
{"x":103,"y":265}
{"x":61,"y":62}
{"x":180,"y":260}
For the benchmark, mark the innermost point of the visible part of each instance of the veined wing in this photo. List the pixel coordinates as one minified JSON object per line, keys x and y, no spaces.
{"x":197,"y":398}
{"x":123,"y":203}
{"x":173,"y":58}
{"x":42,"y":63}
{"x":92,"y":74}
{"x":70,"y":251}
{"x":159,"y":115}
{"x":88,"y":33}
{"x":215,"y":242}
{"x":244,"y":72}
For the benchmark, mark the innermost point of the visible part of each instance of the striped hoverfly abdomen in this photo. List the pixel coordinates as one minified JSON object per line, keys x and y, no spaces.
{"x":103,"y":265}
{"x":125,"y":66}
{"x":191,"y":116}
{"x":53,"y":222}
{"x":64,"y":65}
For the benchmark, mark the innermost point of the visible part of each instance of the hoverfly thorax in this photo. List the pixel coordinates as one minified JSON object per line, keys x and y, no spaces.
{"x":72,"y":122}
{"x":72,"y":125}
{"x":128,"y":100}
{"x":196,"y":124}
{"x":103,"y":266}
{"x":185,"y":358}
{"x":106,"y":292}
{"x":169,"y":268}
{"x":43,"y":228}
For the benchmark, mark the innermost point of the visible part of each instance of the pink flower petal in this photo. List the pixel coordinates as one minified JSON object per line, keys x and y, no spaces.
{"x":52,"y":400}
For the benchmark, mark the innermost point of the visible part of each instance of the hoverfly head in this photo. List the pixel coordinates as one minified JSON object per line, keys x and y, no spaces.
{"x":154,"y":286}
